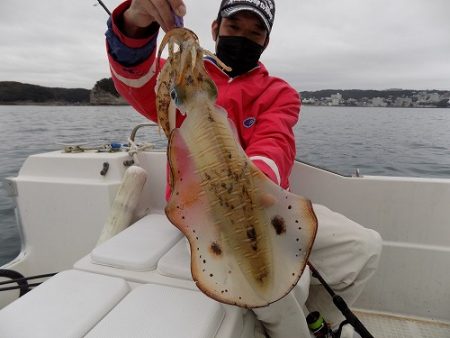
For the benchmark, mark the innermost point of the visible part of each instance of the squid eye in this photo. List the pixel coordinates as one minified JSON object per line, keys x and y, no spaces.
{"x":173,"y":94}
{"x":176,"y":94}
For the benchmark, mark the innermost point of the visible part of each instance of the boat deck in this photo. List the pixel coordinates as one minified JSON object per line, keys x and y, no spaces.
{"x":390,"y":326}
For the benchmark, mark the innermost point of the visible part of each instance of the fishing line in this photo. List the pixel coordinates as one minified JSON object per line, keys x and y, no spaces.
{"x":104,"y":7}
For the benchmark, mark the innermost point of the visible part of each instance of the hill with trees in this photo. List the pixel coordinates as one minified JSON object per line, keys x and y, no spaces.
{"x":103,"y":93}
{"x":23,"y":93}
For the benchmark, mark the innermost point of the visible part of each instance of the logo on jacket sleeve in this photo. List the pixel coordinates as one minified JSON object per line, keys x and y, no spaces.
{"x":249,"y":122}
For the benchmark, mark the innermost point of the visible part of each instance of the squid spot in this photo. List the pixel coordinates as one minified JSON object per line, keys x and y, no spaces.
{"x":261,"y":277}
{"x":216,"y":249}
{"x":211,"y":275}
{"x":279,"y":225}
{"x":290,"y":207}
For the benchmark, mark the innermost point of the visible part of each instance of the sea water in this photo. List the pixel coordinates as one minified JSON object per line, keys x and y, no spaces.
{"x":377,"y":141}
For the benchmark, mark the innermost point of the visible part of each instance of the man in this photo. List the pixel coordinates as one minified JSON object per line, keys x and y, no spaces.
{"x":264,"y":110}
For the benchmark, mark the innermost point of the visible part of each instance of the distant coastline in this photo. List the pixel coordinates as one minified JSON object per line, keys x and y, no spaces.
{"x":104,"y":93}
{"x":45,"y":103}
{"x":396,"y":98}
{"x":17,"y":93}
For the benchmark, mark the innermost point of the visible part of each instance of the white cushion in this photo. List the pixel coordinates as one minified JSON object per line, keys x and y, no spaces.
{"x":67,"y":305}
{"x":162,"y":312}
{"x":140,"y":246}
{"x":177,"y":262}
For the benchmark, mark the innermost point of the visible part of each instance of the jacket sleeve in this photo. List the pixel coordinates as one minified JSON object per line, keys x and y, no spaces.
{"x":132,"y":63}
{"x":272,"y":144}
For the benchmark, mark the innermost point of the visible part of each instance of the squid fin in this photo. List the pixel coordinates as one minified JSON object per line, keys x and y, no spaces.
{"x":248,"y":247}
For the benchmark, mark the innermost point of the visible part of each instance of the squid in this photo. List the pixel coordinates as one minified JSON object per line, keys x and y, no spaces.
{"x":249,"y":239}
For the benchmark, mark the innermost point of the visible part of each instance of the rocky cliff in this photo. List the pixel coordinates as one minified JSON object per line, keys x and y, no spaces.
{"x":104,"y":93}
{"x":99,"y":96}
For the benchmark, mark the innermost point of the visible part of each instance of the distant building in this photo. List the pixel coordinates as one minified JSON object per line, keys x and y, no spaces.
{"x":379,"y":102}
{"x":336,"y":99}
{"x":403,"y":102}
{"x":352,"y":102}
{"x":310,"y":100}
{"x":426,"y":98}
{"x":434,"y":98}
{"x":421,"y":97}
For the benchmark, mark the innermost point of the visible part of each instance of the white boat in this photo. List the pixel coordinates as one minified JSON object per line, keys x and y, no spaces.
{"x":138,"y":283}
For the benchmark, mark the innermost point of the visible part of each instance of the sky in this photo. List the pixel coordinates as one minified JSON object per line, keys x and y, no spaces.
{"x":315,"y":44}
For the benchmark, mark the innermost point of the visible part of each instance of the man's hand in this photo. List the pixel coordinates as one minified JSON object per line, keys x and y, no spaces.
{"x":142,"y":13}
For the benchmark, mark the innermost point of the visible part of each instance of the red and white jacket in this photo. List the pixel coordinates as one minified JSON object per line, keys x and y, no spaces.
{"x":263,"y":108}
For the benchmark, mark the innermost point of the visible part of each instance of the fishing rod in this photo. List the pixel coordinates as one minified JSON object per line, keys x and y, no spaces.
{"x":340,"y":303}
{"x":104,"y":7}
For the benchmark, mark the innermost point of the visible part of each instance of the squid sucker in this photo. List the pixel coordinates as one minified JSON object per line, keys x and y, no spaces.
{"x":249,"y":238}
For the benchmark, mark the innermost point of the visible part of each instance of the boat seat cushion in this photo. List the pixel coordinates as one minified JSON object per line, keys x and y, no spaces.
{"x":67,"y":305}
{"x":140,"y":246}
{"x":159,"y":312}
{"x":177,"y":262}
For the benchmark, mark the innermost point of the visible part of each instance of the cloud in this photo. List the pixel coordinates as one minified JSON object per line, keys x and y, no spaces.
{"x":363,"y":44}
{"x":315,"y":44}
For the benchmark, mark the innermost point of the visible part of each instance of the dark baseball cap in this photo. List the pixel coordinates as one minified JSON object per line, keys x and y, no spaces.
{"x":265,"y":9}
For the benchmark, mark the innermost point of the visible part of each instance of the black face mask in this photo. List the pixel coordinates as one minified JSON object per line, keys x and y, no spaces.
{"x":239,"y":53}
